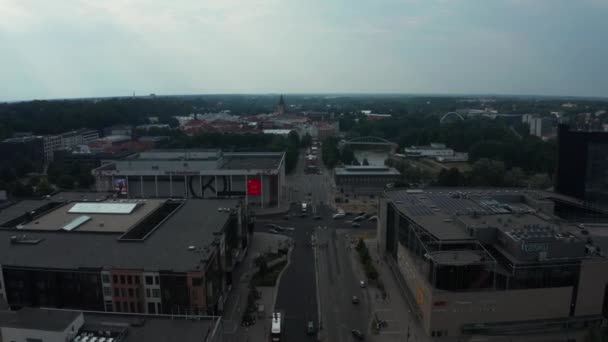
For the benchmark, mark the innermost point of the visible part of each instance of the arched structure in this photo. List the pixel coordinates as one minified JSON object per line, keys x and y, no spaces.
{"x":451,"y":115}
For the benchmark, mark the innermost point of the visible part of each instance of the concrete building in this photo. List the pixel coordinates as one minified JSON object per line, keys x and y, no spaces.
{"x":154,"y":256}
{"x":539,"y":126}
{"x":365,"y":178}
{"x":582,"y":164}
{"x":30,"y":148}
{"x":490,"y":262}
{"x":50,"y":325}
{"x":51,"y":144}
{"x":196,"y":174}
{"x":81,"y":136}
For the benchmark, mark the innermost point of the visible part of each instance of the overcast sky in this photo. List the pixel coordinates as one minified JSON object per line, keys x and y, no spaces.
{"x":86,"y":48}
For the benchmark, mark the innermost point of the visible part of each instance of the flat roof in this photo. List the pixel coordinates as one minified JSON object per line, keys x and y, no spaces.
{"x":19,"y":208}
{"x":366,"y":171}
{"x":166,"y":248}
{"x":153,"y":328}
{"x":38,"y":319}
{"x":249,"y":161}
{"x":98,"y":222}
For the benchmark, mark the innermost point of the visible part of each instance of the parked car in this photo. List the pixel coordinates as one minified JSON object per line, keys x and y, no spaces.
{"x":357,"y":334}
{"x":338,"y":216}
{"x":355,"y":225}
{"x":358,"y":218}
{"x":355,"y":300}
{"x":373,"y":218}
{"x":362,"y":284}
{"x":273,"y":231}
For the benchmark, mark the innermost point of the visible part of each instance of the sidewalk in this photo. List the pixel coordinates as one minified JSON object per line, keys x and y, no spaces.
{"x":395,"y":309}
{"x":237,"y":298}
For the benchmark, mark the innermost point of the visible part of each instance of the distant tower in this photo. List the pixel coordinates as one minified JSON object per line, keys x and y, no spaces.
{"x":281,"y":106}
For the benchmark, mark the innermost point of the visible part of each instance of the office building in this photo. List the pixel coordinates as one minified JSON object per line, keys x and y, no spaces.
{"x":197,"y":174}
{"x":582,"y":164}
{"x":540,"y":126}
{"x":365,"y":178}
{"x":29,"y":148}
{"x":433,"y":150}
{"x":52,"y":325}
{"x":135,"y":256}
{"x":492,"y":262}
{"x":81,"y":136}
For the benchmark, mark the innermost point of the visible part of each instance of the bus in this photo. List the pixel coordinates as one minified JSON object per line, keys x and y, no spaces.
{"x":304,"y":208}
{"x":275,"y":330}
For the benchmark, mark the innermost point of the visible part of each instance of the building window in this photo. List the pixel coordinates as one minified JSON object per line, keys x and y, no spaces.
{"x":123,"y":292}
{"x":122,"y":279}
{"x":125,"y":307}
{"x":116,"y":293}
{"x":130,"y":292}
{"x":129,"y":280}
{"x":140,"y":308}
{"x":156,"y":293}
{"x":136,"y":280}
{"x":151,"y":308}
{"x":137,"y":293}
{"x":107,"y":291}
{"x":117,"y":306}
{"x":105,"y":278}
{"x":148,"y":293}
{"x":109,"y":307}
{"x":132,"y":305}
{"x":148,"y":280}
{"x":115,"y":279}
{"x":157,"y":280}
{"x":158,"y":308}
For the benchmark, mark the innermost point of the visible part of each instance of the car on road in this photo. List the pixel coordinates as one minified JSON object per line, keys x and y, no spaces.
{"x":338,"y":216}
{"x":310,"y":328}
{"x":373,"y":218}
{"x":362,"y":284}
{"x":355,"y":300}
{"x":355,"y":225}
{"x":273,"y":231}
{"x":357,"y":334}
{"x":359,"y":218}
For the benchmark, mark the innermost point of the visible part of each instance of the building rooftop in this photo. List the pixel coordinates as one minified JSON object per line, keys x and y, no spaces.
{"x":94,"y":218}
{"x":38,"y":319}
{"x":366,"y":171}
{"x":519,"y":223}
{"x":152,"y":328}
{"x":161,"y":242}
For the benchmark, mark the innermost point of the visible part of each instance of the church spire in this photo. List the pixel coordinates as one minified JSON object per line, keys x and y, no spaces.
{"x":281,"y":106}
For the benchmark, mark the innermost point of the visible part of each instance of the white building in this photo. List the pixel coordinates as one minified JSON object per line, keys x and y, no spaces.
{"x":433,"y":150}
{"x":539,"y":126}
{"x":51,"y":143}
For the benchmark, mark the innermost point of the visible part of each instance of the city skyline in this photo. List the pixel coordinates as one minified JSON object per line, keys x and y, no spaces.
{"x":77,"y":49}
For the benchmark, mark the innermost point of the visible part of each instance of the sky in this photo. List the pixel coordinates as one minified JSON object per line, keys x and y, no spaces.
{"x":93,"y":48}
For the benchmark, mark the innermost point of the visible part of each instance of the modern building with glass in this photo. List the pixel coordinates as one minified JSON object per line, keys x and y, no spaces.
{"x":494,"y":262}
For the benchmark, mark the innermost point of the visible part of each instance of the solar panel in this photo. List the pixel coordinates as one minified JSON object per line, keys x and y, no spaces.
{"x":76,"y":222}
{"x":102,"y":208}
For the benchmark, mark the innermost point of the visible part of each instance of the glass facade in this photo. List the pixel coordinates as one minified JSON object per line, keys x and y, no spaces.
{"x":596,"y":177}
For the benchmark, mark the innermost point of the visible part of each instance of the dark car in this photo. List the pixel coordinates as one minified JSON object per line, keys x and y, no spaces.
{"x":317,"y":217}
{"x":310,"y":328}
{"x":355,"y":300}
{"x":357,"y":334}
{"x":361,"y":213}
{"x":356,"y":225}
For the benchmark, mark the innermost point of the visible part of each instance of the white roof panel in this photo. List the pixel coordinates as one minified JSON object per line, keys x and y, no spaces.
{"x":75,"y":223}
{"x":102,"y":208}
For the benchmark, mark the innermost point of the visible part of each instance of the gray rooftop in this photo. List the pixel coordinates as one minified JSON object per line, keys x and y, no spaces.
{"x":38,"y":319}
{"x":192,"y":224}
{"x":366,"y":171}
{"x":152,"y":328}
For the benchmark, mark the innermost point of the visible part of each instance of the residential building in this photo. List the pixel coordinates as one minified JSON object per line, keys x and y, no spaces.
{"x":493,"y":262}
{"x":81,"y":136}
{"x":153,"y":256}
{"x":541,"y":127}
{"x":365,"y":178}
{"x":582,"y":164}
{"x":52,"y":325}
{"x":51,"y":144}
{"x":196,"y":174}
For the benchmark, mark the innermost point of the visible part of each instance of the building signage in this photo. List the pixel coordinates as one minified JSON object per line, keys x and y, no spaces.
{"x":535,"y":247}
{"x":120,"y":186}
{"x":254,"y":187}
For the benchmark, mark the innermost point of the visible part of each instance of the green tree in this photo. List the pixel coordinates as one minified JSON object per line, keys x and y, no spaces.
{"x":347,"y":156}
{"x":44,"y":188}
{"x":487,"y":172}
{"x":65,"y":182}
{"x":451,"y":177}
{"x":365,"y":162}
{"x":85,"y":180}
{"x":515,"y":177}
{"x":306,"y":140}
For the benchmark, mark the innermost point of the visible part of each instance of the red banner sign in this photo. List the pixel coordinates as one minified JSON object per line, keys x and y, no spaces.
{"x":254,"y":187}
